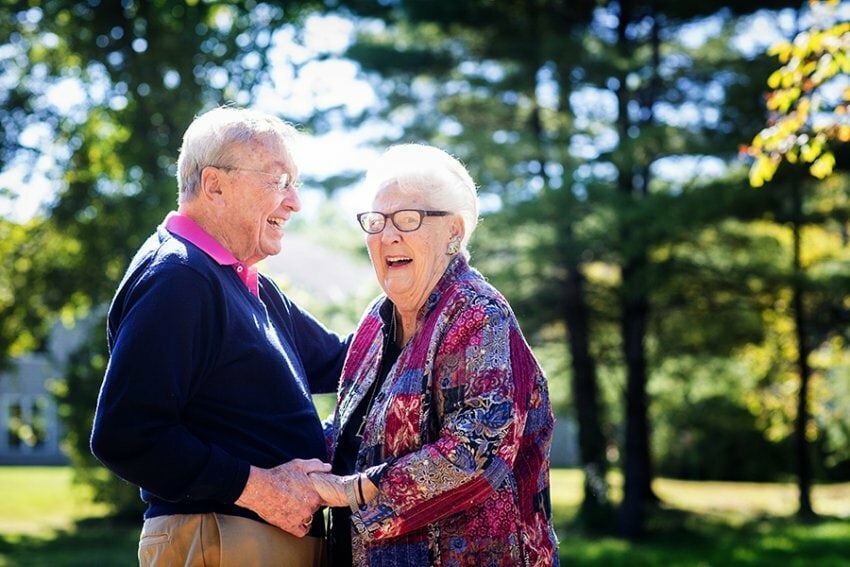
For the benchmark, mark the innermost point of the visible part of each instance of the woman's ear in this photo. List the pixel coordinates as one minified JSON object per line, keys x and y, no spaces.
{"x":455,"y":237}
{"x":457,"y":231}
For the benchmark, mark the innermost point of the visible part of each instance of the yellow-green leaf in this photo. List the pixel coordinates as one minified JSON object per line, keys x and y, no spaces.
{"x":823,"y":166}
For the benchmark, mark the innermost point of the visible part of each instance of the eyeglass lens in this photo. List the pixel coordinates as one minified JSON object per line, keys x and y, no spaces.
{"x":406,"y":220}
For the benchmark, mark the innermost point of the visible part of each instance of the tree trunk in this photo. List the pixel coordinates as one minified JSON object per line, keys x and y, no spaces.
{"x":595,"y":513}
{"x":637,"y":468}
{"x":803,"y":451}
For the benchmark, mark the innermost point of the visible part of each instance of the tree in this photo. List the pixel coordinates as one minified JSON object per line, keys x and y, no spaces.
{"x":642,"y":87}
{"x":108,"y":93}
{"x":504,"y":48}
{"x":805,"y":121}
{"x":808,"y":114}
{"x":560,"y":123}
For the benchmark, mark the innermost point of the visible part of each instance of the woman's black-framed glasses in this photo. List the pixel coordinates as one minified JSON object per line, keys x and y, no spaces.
{"x":405,"y":220}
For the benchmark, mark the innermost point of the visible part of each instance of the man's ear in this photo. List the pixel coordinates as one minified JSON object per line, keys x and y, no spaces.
{"x":211,"y":183}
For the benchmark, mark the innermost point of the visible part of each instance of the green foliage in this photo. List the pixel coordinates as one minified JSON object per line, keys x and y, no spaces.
{"x":591,"y":170}
{"x":77,"y":398}
{"x":806,"y":119}
{"x":115,"y":148}
{"x":715,"y":439}
{"x":136,"y":75}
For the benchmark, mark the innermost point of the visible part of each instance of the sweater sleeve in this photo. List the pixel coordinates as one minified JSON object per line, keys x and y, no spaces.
{"x":322,"y":351}
{"x":480,"y":411}
{"x":165,"y":337}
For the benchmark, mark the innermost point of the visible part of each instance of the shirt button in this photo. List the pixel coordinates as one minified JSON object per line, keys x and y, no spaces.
{"x":239,"y":269}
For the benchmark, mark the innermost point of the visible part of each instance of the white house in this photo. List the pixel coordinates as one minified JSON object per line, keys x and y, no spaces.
{"x":30,"y":429}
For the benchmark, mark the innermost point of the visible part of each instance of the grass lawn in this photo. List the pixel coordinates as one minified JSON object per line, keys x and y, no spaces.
{"x":713,"y":524}
{"x":45,"y":521}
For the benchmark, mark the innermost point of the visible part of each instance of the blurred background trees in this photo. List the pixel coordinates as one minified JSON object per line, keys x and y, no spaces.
{"x":96,"y":98}
{"x":689,"y":323}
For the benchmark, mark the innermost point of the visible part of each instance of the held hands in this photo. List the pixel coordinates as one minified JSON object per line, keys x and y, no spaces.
{"x":330,"y":487}
{"x":353,"y":491}
{"x":284,"y":496}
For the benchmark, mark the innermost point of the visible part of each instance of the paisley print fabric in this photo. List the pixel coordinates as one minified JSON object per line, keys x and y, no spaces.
{"x":458,"y":437}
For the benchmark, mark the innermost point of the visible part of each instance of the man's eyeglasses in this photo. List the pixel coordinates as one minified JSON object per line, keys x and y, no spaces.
{"x":405,"y":220}
{"x":284,"y":182}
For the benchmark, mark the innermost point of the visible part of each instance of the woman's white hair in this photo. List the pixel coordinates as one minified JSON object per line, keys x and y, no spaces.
{"x":425,"y":170}
{"x":211,"y":137}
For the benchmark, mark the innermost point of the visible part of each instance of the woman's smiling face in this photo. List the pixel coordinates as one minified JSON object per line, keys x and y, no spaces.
{"x":409,"y":264}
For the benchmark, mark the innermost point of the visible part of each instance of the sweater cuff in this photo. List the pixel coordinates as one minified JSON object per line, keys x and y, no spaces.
{"x":237,"y":484}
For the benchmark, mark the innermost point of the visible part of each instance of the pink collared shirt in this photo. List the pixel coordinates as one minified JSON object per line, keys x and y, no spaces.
{"x":184,"y":227}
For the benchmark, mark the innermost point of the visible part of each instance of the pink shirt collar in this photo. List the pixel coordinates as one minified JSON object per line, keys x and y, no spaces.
{"x":184,"y":227}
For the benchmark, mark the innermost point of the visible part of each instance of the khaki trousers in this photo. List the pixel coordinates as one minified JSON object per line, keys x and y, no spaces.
{"x":220,"y":540}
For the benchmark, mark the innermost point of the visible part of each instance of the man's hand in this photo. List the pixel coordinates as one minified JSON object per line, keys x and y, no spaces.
{"x":284,"y":495}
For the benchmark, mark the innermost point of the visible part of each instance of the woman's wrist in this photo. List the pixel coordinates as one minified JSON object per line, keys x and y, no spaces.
{"x":359,"y":491}
{"x":368,"y":488}
{"x":349,"y":484}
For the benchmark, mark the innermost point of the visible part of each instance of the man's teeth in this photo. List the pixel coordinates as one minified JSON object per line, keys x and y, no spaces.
{"x":277,"y":221}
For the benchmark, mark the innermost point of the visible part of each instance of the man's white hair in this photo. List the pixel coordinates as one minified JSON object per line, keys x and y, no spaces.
{"x":211,"y":137}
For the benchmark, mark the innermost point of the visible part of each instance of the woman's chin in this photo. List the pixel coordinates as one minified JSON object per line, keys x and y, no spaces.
{"x":396,"y":291}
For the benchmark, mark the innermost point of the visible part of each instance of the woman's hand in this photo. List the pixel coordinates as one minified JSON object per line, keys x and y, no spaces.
{"x":353,"y":491}
{"x":330,"y":488}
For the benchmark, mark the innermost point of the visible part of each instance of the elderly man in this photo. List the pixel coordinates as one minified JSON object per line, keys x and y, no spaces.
{"x":206,"y":401}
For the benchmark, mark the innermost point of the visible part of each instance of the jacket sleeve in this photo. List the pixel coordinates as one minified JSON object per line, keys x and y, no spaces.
{"x":163,"y":342}
{"x":478,"y":411}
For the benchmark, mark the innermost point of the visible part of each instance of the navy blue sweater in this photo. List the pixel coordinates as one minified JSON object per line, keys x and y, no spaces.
{"x":205,"y":379}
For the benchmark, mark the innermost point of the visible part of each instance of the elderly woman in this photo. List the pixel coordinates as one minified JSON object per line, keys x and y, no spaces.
{"x":442,"y":431}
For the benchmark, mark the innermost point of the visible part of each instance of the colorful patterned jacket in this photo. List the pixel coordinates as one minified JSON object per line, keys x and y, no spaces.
{"x":459,"y":435}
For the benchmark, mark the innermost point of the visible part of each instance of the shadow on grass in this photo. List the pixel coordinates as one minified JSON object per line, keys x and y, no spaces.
{"x":95,"y":541}
{"x":683,"y":539}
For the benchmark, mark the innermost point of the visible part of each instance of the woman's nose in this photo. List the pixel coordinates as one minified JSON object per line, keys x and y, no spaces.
{"x":390,"y":232}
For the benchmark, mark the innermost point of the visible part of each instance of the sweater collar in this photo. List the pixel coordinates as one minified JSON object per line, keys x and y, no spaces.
{"x":186,"y":228}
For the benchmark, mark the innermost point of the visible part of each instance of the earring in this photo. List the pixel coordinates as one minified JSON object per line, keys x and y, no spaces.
{"x":453,"y":248}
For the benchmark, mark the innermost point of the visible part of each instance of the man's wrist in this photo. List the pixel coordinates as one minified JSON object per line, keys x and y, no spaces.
{"x":244,"y":498}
